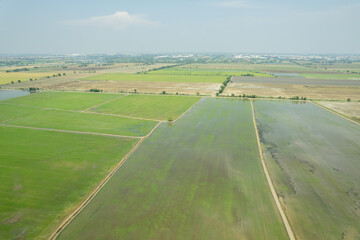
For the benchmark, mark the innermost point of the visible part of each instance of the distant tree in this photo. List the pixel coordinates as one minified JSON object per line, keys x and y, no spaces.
{"x":233,"y":95}
{"x":348,"y":100}
{"x":217,"y":94}
{"x":197,"y":93}
{"x":19,"y":81}
{"x":163,"y":92}
{"x":54,"y":75}
{"x":59,"y":74}
{"x":32,"y":89}
{"x":95,"y":90}
{"x":135,"y":91}
{"x":64,"y":74}
{"x":177,"y":93}
{"x":30,"y":79}
{"x":12,"y":82}
{"x":170,"y":119}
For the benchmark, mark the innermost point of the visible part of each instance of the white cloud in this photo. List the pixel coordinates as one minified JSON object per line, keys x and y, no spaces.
{"x":233,"y":4}
{"x":118,"y":21}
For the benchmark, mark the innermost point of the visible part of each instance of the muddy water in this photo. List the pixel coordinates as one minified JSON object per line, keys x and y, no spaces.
{"x":7,"y":94}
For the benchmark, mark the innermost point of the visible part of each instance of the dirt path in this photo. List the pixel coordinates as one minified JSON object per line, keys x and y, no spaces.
{"x":334,"y":112}
{"x":123,"y":116}
{"x":69,"y":131}
{"x":109,"y":101}
{"x":268,"y":179}
{"x":98,"y":188}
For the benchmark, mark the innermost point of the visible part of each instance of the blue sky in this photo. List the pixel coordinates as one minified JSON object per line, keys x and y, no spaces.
{"x":109,"y":26}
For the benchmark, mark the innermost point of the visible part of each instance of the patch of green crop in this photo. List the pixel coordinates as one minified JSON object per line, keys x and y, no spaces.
{"x":44,"y":175}
{"x":8,"y":111}
{"x":63,"y":100}
{"x":147,"y":106}
{"x":85,"y":122}
{"x":198,"y":178}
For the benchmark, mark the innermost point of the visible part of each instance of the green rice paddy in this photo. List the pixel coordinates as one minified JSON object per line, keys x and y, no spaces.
{"x":199,"y":178}
{"x":85,"y":122}
{"x":150,"y":107}
{"x":44,"y":175}
{"x":63,"y":100}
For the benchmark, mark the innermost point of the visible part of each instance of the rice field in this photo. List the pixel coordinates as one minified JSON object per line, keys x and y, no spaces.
{"x":313,"y":158}
{"x":45,"y":174}
{"x":199,"y":178}
{"x":148,"y":107}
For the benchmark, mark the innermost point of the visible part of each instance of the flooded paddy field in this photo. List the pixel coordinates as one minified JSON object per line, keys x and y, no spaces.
{"x":313,"y":159}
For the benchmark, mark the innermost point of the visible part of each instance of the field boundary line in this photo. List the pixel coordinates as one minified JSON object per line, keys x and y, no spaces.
{"x":76,"y":212}
{"x":68,"y":131}
{"x":109,"y":101}
{"x":124,"y":116}
{"x":273,"y":192}
{"x":188,"y":109}
{"x":334,"y":112}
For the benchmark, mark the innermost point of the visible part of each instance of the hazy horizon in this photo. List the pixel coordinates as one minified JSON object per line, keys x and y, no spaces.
{"x":157,"y":27}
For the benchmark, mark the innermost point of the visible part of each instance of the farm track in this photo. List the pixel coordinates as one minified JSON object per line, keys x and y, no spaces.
{"x":69,"y":131}
{"x":98,"y":105}
{"x":98,"y":188}
{"x":273,"y":192}
{"x":334,"y":112}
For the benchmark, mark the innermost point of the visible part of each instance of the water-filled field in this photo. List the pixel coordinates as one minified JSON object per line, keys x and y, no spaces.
{"x":313,"y":158}
{"x":7,"y":94}
{"x":199,"y":178}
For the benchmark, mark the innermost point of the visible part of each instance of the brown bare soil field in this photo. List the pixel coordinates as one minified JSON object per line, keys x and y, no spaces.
{"x":126,"y":86}
{"x":349,"y":109}
{"x":75,"y":72}
{"x":296,"y":81}
{"x":289,"y":90}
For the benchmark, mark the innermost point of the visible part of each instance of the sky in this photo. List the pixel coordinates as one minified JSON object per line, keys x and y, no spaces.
{"x":187,"y":26}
